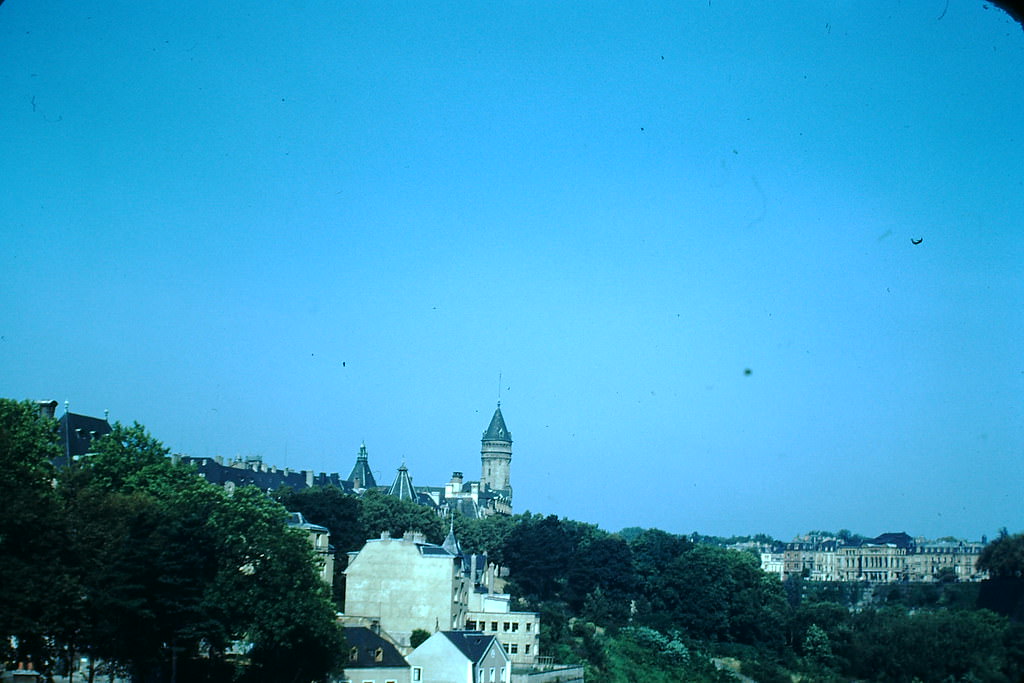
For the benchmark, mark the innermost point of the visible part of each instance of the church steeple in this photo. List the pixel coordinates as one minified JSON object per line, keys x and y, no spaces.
{"x":496,"y":455}
{"x":362,"y":477}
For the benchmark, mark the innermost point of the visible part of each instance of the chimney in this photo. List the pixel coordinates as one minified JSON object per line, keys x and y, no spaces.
{"x":47,"y":408}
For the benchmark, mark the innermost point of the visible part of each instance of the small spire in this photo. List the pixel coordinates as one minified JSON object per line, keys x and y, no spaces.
{"x":451,"y":544}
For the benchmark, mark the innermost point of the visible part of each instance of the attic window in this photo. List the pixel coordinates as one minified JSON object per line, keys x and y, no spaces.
{"x":353,"y":654}
{"x":378,"y":655}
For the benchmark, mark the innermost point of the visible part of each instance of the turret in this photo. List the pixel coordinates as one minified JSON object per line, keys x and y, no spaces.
{"x":496,"y":455}
{"x":362,"y":477}
{"x":402,"y":487}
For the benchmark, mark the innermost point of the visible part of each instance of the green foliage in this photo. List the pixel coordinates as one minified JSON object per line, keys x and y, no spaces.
{"x":719,"y":595}
{"x":381,"y":512}
{"x":1003,"y":558}
{"x":817,"y":646}
{"x":31,"y":531}
{"x":418,"y":637}
{"x":329,"y":506}
{"x":928,"y":595}
{"x":486,"y":536}
{"x":892,"y":645}
{"x":644,"y":654}
{"x":136,"y":560}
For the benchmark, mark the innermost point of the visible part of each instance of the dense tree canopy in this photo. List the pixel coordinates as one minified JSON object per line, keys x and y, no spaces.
{"x":1004,"y":557}
{"x":31,"y":529}
{"x":129,"y":558}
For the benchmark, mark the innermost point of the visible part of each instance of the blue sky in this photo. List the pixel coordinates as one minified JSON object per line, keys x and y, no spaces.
{"x":285,"y":229}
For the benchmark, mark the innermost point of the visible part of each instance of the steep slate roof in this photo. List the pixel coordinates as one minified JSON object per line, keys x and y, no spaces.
{"x":451,"y":544}
{"x":362,"y":477}
{"x":497,"y":431}
{"x":473,"y":644}
{"x":402,"y":487}
{"x":899,"y":539}
{"x":297,"y":520}
{"x":363,"y":644}
{"x":255,"y":474}
{"x":78,"y":431}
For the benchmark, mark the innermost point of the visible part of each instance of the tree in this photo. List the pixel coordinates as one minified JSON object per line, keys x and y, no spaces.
{"x":340,"y":512}
{"x":31,"y":529}
{"x":267,"y":581}
{"x":381,"y":512}
{"x":486,"y":536}
{"x":538,"y":553}
{"x":1003,"y":558}
{"x":188,"y":570}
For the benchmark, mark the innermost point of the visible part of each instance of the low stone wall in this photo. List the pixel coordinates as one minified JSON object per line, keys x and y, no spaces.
{"x":568,"y":674}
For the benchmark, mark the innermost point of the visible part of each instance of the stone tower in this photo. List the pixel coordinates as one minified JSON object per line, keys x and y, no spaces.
{"x":496,"y":455}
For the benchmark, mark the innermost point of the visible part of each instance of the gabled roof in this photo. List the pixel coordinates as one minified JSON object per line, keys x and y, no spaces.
{"x":369,"y":650}
{"x":497,"y":431}
{"x":402,"y":487}
{"x":472,"y":644}
{"x":362,"y":477}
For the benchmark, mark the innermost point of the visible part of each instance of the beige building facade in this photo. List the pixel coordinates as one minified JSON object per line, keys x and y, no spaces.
{"x":518,"y":632}
{"x":888,"y":558}
{"x":404,"y":584}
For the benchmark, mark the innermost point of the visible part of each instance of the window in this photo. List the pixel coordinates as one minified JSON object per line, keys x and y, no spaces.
{"x":494,"y":626}
{"x":515,"y":626}
{"x":527,"y":648}
{"x":514,"y":648}
{"x":506,"y":626}
{"x":492,"y":675}
{"x":417,"y":673}
{"x":470,"y":625}
{"x":353,"y":654}
{"x":378,"y":655}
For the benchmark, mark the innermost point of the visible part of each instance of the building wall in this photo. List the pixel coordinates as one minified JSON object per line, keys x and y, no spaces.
{"x":876,"y":563}
{"x":518,"y":633}
{"x":376,"y":675}
{"x":406,"y":584}
{"x":439,"y":661}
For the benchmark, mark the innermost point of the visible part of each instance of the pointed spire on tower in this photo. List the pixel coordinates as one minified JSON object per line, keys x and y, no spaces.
{"x":402,"y":487}
{"x":497,"y":431}
{"x":451,"y":544}
{"x":362,"y":476}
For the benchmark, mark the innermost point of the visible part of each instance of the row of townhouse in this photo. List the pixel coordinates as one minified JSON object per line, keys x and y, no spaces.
{"x":889,"y":558}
